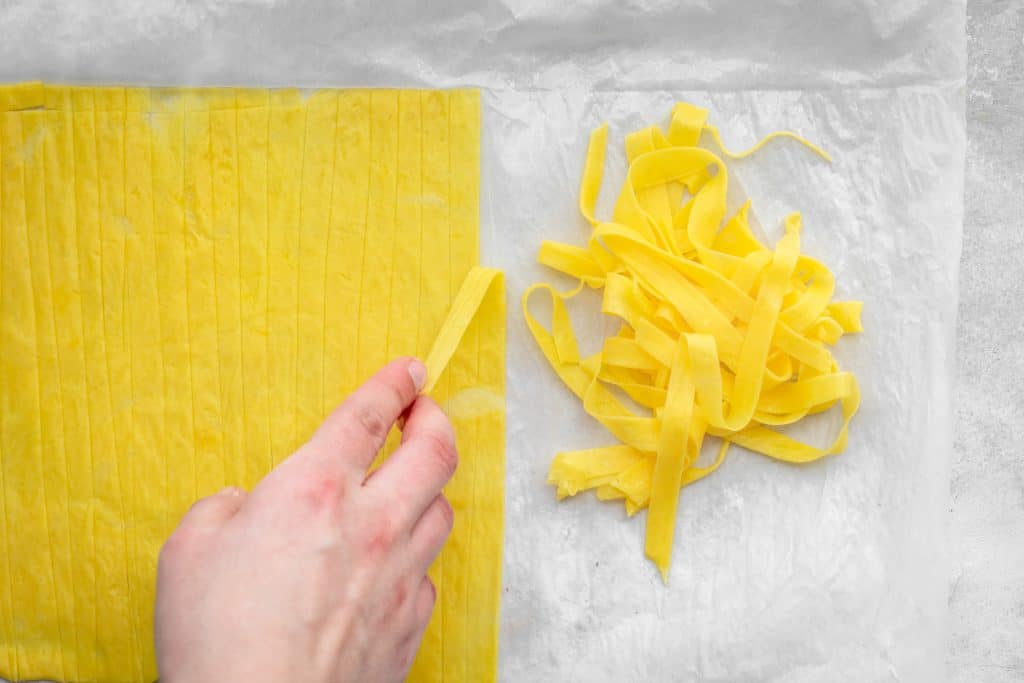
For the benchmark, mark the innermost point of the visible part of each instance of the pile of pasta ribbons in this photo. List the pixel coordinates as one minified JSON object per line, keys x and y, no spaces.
{"x":720,"y":335}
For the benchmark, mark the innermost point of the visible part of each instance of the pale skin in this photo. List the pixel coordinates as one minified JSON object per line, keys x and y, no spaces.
{"x":318,"y":574}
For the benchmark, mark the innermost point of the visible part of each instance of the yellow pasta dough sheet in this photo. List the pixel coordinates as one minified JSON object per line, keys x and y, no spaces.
{"x":191,"y":279}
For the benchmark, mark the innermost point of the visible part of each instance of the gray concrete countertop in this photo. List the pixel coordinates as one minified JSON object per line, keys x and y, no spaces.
{"x":987,"y":488}
{"x":987,"y":494}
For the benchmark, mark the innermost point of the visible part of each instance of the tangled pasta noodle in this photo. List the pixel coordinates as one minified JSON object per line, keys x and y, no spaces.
{"x":721,"y":335}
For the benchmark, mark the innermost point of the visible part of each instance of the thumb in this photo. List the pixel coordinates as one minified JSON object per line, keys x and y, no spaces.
{"x":215,"y":509}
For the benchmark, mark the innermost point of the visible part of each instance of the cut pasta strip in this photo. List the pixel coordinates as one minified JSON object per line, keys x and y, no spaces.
{"x":721,"y":335}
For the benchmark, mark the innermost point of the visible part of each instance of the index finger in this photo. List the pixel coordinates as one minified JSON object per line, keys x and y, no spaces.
{"x":355,"y":431}
{"x":415,"y":473}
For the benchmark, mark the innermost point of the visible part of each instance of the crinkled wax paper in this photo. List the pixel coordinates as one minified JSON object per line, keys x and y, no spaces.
{"x":835,"y":571}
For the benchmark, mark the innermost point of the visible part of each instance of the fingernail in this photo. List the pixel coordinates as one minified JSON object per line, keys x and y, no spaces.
{"x":418,"y":372}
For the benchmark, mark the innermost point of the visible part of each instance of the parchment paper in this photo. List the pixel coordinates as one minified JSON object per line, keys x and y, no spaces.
{"x":836,"y":571}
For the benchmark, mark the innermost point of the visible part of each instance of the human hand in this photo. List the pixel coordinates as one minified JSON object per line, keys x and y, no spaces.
{"x":320,"y":573}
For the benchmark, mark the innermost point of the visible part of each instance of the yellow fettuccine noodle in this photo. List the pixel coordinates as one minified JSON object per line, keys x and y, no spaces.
{"x":191,"y":279}
{"x":721,"y":335}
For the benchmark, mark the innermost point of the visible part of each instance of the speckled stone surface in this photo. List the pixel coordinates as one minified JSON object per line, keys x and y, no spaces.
{"x":987,"y":590}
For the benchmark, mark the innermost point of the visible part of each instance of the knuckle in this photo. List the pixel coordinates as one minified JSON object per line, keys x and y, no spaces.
{"x":372,"y":421}
{"x":399,"y":597}
{"x":404,"y":386}
{"x":441,"y":446}
{"x":381,"y":537}
{"x":325,"y":492}
{"x":397,"y":396}
{"x":447,"y":512}
{"x":391,"y":393}
{"x":431,"y":594}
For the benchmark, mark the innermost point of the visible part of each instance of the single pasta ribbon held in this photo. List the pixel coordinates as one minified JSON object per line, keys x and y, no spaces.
{"x":722,"y":336}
